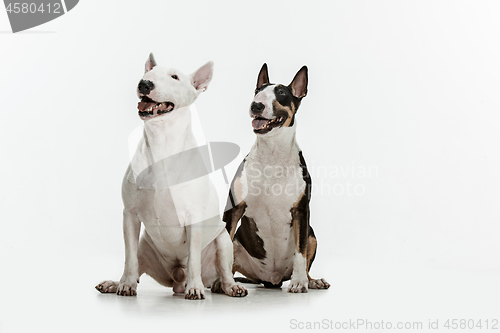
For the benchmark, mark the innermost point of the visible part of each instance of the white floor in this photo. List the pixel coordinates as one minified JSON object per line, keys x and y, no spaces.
{"x":68,"y":302}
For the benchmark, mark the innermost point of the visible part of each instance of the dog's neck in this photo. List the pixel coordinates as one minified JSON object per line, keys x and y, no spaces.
{"x":278,"y":146}
{"x":169,"y":134}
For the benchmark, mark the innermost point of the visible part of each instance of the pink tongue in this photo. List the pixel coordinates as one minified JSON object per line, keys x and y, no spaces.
{"x":257,"y":123}
{"x":143,"y":106}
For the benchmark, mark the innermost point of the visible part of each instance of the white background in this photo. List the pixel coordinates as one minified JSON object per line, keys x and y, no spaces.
{"x":409,"y":89}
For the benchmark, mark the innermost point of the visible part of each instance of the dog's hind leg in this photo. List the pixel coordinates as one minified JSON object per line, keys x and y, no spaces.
{"x":312,"y":245}
{"x":224,"y":265}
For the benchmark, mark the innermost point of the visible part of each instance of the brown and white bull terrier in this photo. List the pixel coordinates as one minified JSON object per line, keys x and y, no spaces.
{"x":270,"y":194}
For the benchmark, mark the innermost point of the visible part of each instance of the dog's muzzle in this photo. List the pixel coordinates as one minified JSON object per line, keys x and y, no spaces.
{"x":263,"y":125}
{"x":149,"y":108}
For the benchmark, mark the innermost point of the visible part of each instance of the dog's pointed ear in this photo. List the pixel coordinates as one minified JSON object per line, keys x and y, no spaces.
{"x":263,"y":77}
{"x":299,"y":83}
{"x":202,"y":77}
{"x":150,"y":63}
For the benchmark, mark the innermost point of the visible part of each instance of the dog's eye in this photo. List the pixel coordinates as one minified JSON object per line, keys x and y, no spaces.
{"x":175,"y":77}
{"x":281,"y":92}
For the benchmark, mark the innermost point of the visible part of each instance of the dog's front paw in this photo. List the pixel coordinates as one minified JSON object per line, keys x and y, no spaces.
{"x":318,"y":284}
{"x":237,"y":291}
{"x":107,"y":287}
{"x":298,"y":286}
{"x":195,"y":289}
{"x":194,"y":293}
{"x":230,"y":289}
{"x":127,"y":287}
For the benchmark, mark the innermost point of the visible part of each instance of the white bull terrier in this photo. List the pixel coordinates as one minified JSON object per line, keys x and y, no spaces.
{"x":184,"y":244}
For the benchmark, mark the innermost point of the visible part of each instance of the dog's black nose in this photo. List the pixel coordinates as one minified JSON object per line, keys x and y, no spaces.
{"x":145,"y":87}
{"x":257,"y":108}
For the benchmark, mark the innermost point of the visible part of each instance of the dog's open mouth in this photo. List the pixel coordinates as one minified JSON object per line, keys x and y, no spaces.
{"x":150,"y":109}
{"x":263,"y":125}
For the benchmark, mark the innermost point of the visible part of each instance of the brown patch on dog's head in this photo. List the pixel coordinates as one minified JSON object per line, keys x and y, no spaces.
{"x":286,"y":111}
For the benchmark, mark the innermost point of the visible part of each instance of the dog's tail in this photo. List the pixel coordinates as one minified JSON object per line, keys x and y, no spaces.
{"x":178,"y":274}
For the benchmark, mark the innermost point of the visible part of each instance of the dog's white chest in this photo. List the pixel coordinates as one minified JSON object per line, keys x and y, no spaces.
{"x":272,"y":187}
{"x":158,"y":191}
